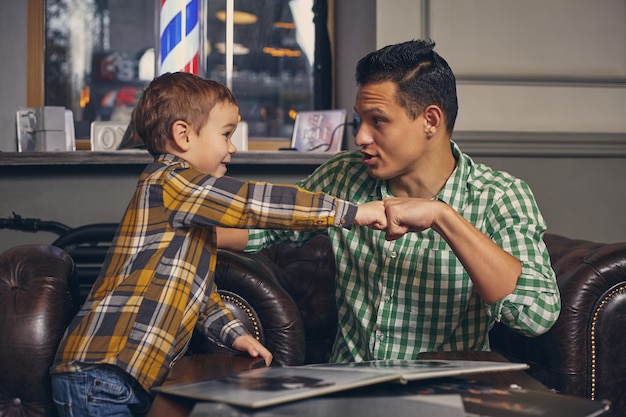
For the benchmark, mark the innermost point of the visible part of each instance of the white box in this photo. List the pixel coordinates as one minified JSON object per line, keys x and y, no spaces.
{"x":106,"y":136}
{"x":51,"y":141}
{"x":50,"y":118}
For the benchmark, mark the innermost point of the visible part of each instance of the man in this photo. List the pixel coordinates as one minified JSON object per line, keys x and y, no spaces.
{"x":463,"y":246}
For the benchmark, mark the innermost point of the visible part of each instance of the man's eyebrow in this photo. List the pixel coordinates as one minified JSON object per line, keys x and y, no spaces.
{"x":370,"y":110}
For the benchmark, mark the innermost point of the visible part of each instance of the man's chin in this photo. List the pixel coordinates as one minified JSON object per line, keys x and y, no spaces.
{"x":377,"y":173}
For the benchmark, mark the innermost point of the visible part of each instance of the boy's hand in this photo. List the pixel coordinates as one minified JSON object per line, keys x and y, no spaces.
{"x":410,"y":215}
{"x":254,"y":348}
{"x":371,"y":214}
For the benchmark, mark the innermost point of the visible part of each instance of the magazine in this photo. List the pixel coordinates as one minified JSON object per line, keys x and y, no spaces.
{"x":441,"y":397}
{"x":481,"y":399}
{"x":265,"y":387}
{"x":411,"y":370}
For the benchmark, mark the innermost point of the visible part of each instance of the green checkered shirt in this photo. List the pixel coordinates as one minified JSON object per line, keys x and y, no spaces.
{"x":398,"y":298}
{"x":156,"y":284}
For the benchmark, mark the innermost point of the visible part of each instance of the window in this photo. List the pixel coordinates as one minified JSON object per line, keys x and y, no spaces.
{"x":99,"y":54}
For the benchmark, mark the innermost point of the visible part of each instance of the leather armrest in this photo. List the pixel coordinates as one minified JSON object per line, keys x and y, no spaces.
{"x":249,"y":288}
{"x":583,"y":353}
{"x":38,"y":293}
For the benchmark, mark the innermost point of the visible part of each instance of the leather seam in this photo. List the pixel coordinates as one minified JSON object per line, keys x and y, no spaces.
{"x":248,"y":312}
{"x":594,"y":322}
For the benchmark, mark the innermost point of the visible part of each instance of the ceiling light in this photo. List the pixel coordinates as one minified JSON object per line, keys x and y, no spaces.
{"x":238,"y":49}
{"x":281,"y":52}
{"x":239,"y":17}
{"x":284,"y":25}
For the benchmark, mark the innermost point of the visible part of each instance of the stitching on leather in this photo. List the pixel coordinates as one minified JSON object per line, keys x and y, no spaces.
{"x":594,"y":322}
{"x":246,"y":310}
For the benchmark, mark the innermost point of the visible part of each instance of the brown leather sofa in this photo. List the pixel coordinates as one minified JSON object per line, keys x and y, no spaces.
{"x":285,"y":295}
{"x":38,"y":290}
{"x":584,"y":354}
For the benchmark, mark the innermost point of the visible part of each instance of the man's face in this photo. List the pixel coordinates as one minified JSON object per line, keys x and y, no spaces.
{"x":391,"y":142}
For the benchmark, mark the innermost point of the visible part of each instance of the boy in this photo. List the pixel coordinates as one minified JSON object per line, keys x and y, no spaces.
{"x":156,"y":284}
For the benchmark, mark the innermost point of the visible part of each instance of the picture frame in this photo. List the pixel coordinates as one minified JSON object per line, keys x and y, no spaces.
{"x":31,"y":136}
{"x":26,"y":124}
{"x":319,"y":131}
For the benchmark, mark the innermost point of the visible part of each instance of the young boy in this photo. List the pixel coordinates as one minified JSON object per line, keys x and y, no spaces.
{"x":156,"y":283}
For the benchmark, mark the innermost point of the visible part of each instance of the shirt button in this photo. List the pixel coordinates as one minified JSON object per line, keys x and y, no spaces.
{"x":387,"y":297}
{"x":381,"y":337}
{"x":394,"y":254}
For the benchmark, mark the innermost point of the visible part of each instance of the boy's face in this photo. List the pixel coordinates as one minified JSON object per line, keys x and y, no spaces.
{"x":211,"y":148}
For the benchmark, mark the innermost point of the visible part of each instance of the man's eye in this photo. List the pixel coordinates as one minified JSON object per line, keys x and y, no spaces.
{"x":356,"y":123}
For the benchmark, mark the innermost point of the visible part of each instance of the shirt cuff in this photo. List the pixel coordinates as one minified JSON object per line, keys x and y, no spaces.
{"x":346,"y":213}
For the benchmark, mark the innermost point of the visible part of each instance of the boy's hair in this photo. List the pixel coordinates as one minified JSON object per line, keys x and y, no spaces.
{"x":421,"y":75}
{"x":171,"y":97}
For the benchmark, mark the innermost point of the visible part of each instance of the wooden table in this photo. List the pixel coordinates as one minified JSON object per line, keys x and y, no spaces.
{"x":194,"y":368}
{"x":198,"y":367}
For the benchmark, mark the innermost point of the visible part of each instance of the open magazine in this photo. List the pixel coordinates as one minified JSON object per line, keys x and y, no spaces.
{"x":265,"y":387}
{"x":440,"y":397}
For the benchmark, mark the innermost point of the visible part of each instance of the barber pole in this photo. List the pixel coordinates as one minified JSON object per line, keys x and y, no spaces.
{"x":179,"y":36}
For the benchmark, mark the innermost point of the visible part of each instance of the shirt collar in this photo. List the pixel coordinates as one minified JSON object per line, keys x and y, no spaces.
{"x":169,"y":159}
{"x":455,"y":192}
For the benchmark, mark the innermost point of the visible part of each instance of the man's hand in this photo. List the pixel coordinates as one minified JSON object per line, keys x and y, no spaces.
{"x":254,"y":348}
{"x":372,"y":215}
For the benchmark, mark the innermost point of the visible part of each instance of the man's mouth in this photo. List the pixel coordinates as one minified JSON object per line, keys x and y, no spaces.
{"x":368,"y":159}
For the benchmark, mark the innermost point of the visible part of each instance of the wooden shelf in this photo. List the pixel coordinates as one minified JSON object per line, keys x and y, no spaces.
{"x":143,"y":157}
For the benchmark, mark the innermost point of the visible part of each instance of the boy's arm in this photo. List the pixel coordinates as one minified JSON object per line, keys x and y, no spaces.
{"x":231,"y":238}
{"x":370,"y":214}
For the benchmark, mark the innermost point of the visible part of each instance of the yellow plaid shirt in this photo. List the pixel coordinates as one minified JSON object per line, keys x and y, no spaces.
{"x":156,"y":282}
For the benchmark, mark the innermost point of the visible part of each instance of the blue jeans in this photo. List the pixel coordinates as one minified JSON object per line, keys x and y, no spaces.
{"x":100,"y":391}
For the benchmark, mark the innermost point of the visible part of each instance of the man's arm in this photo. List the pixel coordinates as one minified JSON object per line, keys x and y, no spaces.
{"x":493,"y":271}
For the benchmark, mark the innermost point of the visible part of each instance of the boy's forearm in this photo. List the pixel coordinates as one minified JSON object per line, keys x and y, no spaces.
{"x":230,"y":238}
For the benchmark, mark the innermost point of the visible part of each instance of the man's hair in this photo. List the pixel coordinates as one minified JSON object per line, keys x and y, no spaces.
{"x":171,"y":97}
{"x":421,"y":75}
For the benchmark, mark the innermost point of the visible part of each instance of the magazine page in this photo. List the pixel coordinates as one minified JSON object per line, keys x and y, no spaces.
{"x":264,"y":387}
{"x":411,"y":370}
{"x":481,"y":399}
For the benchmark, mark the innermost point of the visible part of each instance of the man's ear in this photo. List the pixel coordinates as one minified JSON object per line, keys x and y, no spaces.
{"x":180,"y":133}
{"x":433,"y":116}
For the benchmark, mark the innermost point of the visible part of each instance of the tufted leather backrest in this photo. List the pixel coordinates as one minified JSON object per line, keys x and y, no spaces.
{"x":307,"y":273}
{"x":251,"y":278}
{"x":38,"y":298}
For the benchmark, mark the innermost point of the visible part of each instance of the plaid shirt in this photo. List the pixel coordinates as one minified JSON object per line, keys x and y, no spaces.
{"x":156,"y":281}
{"x":398,"y":298}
